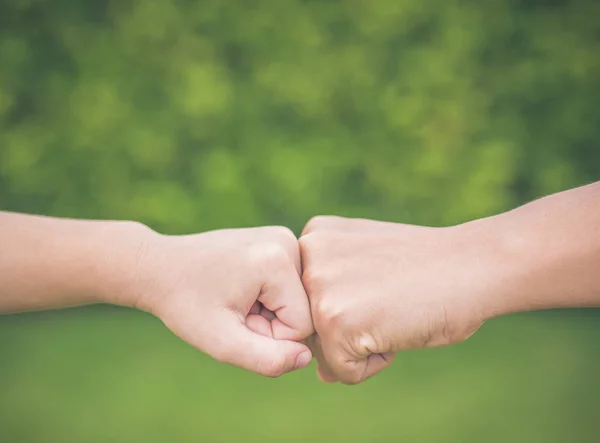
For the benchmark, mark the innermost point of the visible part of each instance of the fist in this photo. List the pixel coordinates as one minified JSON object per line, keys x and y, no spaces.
{"x":234,"y":294}
{"x":376,"y":288}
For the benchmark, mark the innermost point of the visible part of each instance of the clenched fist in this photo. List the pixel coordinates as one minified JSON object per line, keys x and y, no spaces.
{"x":376,"y":288}
{"x":234,"y":294}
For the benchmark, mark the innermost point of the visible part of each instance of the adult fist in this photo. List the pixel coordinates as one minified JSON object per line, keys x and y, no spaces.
{"x":376,"y":288}
{"x":234,"y":294}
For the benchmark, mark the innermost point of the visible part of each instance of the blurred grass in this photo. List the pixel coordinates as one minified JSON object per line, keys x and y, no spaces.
{"x":109,"y":374}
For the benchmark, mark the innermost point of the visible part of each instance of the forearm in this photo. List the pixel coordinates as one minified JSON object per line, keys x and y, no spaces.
{"x":546,"y":254}
{"x":49,"y":262}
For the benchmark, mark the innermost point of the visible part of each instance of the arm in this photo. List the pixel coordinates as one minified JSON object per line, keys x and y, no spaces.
{"x":51,"y":263}
{"x":547,"y":253}
{"x":234,"y":294}
{"x":377,"y":288}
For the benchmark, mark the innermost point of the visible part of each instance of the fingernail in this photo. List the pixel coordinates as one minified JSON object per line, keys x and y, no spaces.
{"x":303,"y":360}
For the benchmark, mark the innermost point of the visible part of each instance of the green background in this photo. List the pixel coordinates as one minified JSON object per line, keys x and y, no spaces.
{"x":196,"y":115}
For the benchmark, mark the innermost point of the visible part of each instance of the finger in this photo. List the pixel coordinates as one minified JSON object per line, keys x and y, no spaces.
{"x":255,"y":309}
{"x":350,"y":368}
{"x":266,"y":313}
{"x":325,"y":375}
{"x":259,"y":320}
{"x":341,"y":365}
{"x":377,"y":363}
{"x":323,"y":372}
{"x":377,"y":359}
{"x":263,"y":355}
{"x":284,"y":295}
{"x":257,"y":323}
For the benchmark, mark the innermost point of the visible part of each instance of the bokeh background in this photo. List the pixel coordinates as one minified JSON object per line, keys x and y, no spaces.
{"x":196,"y":115}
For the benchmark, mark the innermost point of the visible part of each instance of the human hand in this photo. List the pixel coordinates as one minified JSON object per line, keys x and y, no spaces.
{"x":234,"y":294}
{"x":376,"y":288}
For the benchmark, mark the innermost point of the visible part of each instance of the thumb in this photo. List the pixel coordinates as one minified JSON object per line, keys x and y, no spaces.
{"x":336,"y":363}
{"x":257,"y":353}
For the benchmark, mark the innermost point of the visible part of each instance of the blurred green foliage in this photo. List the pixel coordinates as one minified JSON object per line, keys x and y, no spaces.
{"x":195,"y":115}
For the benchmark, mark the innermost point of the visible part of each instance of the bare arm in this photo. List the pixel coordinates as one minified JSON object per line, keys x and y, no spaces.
{"x":548,"y":252}
{"x":234,"y":294}
{"x":377,"y":288}
{"x":49,"y":262}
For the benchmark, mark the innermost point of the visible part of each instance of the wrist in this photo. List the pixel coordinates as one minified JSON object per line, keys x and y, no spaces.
{"x":503,"y":265}
{"x":115,"y":276}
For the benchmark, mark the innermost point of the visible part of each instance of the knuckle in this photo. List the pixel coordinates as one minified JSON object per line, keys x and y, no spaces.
{"x":284,"y":232}
{"x":305,"y":244}
{"x":315,"y":223}
{"x":335,"y":315}
{"x":283,"y":235}
{"x":328,"y":313}
{"x":316,"y":244}
{"x":272,"y":254}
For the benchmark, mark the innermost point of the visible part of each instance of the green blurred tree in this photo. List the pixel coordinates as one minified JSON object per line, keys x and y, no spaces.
{"x":198,"y":115}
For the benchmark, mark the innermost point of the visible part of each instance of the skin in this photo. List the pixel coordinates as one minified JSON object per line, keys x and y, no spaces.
{"x":234,"y":294}
{"x":377,"y":288}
